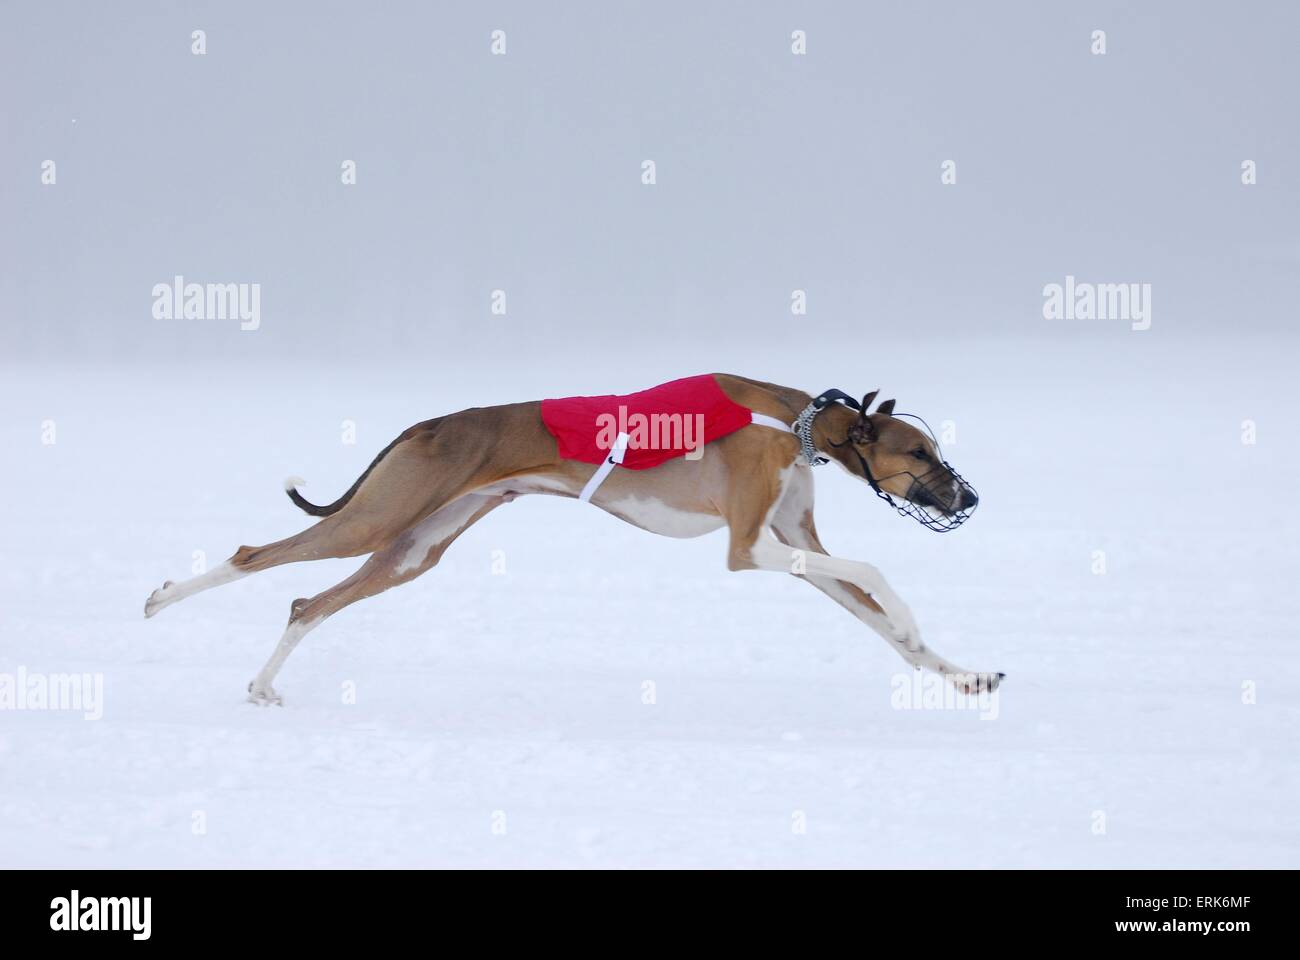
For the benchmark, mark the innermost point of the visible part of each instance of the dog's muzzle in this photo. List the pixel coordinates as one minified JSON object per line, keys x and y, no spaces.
{"x":939,"y":499}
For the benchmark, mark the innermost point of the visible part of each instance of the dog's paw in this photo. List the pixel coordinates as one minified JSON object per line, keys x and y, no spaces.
{"x":976,"y":682}
{"x":264,"y":696}
{"x":158,"y":599}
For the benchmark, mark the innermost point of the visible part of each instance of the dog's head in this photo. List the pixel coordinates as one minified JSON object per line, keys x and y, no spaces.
{"x":901,"y":460}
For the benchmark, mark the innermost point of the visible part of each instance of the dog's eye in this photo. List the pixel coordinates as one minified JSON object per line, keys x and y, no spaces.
{"x":920,"y":453}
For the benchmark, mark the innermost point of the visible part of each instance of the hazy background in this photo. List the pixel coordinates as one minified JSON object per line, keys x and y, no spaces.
{"x":522,"y":172}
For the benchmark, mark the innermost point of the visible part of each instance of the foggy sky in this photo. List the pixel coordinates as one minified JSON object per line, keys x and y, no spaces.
{"x":522,"y":172}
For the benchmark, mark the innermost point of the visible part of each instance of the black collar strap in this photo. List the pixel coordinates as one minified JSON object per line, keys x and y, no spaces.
{"x":828,"y":397}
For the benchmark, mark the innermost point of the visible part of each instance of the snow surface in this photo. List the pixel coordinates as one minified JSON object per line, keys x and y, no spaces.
{"x":516,"y":698}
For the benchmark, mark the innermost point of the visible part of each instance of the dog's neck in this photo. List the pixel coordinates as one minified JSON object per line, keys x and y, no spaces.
{"x":832,"y":427}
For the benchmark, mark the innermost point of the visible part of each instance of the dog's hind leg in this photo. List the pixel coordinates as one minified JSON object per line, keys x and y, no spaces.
{"x":170,"y":592}
{"x":333,"y":537}
{"x":409,"y":554}
{"x":417,"y":477}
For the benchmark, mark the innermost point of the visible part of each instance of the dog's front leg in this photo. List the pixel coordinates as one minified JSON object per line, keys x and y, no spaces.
{"x":763,"y":502}
{"x":895,"y":621}
{"x":785,"y":502}
{"x":860,"y":589}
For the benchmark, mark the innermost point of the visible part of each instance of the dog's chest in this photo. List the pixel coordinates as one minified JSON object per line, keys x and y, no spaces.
{"x":650,"y":513}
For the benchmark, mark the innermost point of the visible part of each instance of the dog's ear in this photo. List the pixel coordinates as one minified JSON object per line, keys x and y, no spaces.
{"x":866,"y":401}
{"x":886,"y":408}
{"x":863,"y":430}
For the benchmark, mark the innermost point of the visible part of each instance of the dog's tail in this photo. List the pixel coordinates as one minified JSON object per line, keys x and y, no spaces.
{"x":291,"y":485}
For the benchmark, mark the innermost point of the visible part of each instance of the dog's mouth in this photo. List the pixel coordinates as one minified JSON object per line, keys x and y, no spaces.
{"x":940,"y":499}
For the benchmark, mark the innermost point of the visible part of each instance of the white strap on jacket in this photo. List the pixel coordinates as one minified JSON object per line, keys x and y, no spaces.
{"x":614,"y":458}
{"x":763,"y":420}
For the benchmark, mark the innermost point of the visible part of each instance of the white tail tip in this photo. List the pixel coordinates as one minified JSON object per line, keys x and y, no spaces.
{"x":294,"y":482}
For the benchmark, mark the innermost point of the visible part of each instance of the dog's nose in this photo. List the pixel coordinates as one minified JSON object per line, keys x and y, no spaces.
{"x":965,"y":497}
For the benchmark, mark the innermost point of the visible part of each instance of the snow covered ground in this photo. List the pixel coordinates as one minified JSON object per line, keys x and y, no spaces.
{"x":499,"y":716}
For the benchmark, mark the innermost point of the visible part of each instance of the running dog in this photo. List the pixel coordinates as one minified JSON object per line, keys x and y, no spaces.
{"x":748,"y":469}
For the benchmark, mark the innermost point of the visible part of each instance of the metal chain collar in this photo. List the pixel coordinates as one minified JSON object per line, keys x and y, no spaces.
{"x":802,"y":428}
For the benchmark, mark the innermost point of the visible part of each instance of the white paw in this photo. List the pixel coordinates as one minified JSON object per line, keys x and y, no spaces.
{"x":976,"y":682}
{"x":158,"y":599}
{"x":264,"y":695}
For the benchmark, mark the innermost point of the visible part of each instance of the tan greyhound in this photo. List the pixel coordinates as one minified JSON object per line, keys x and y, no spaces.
{"x":440,"y":476}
